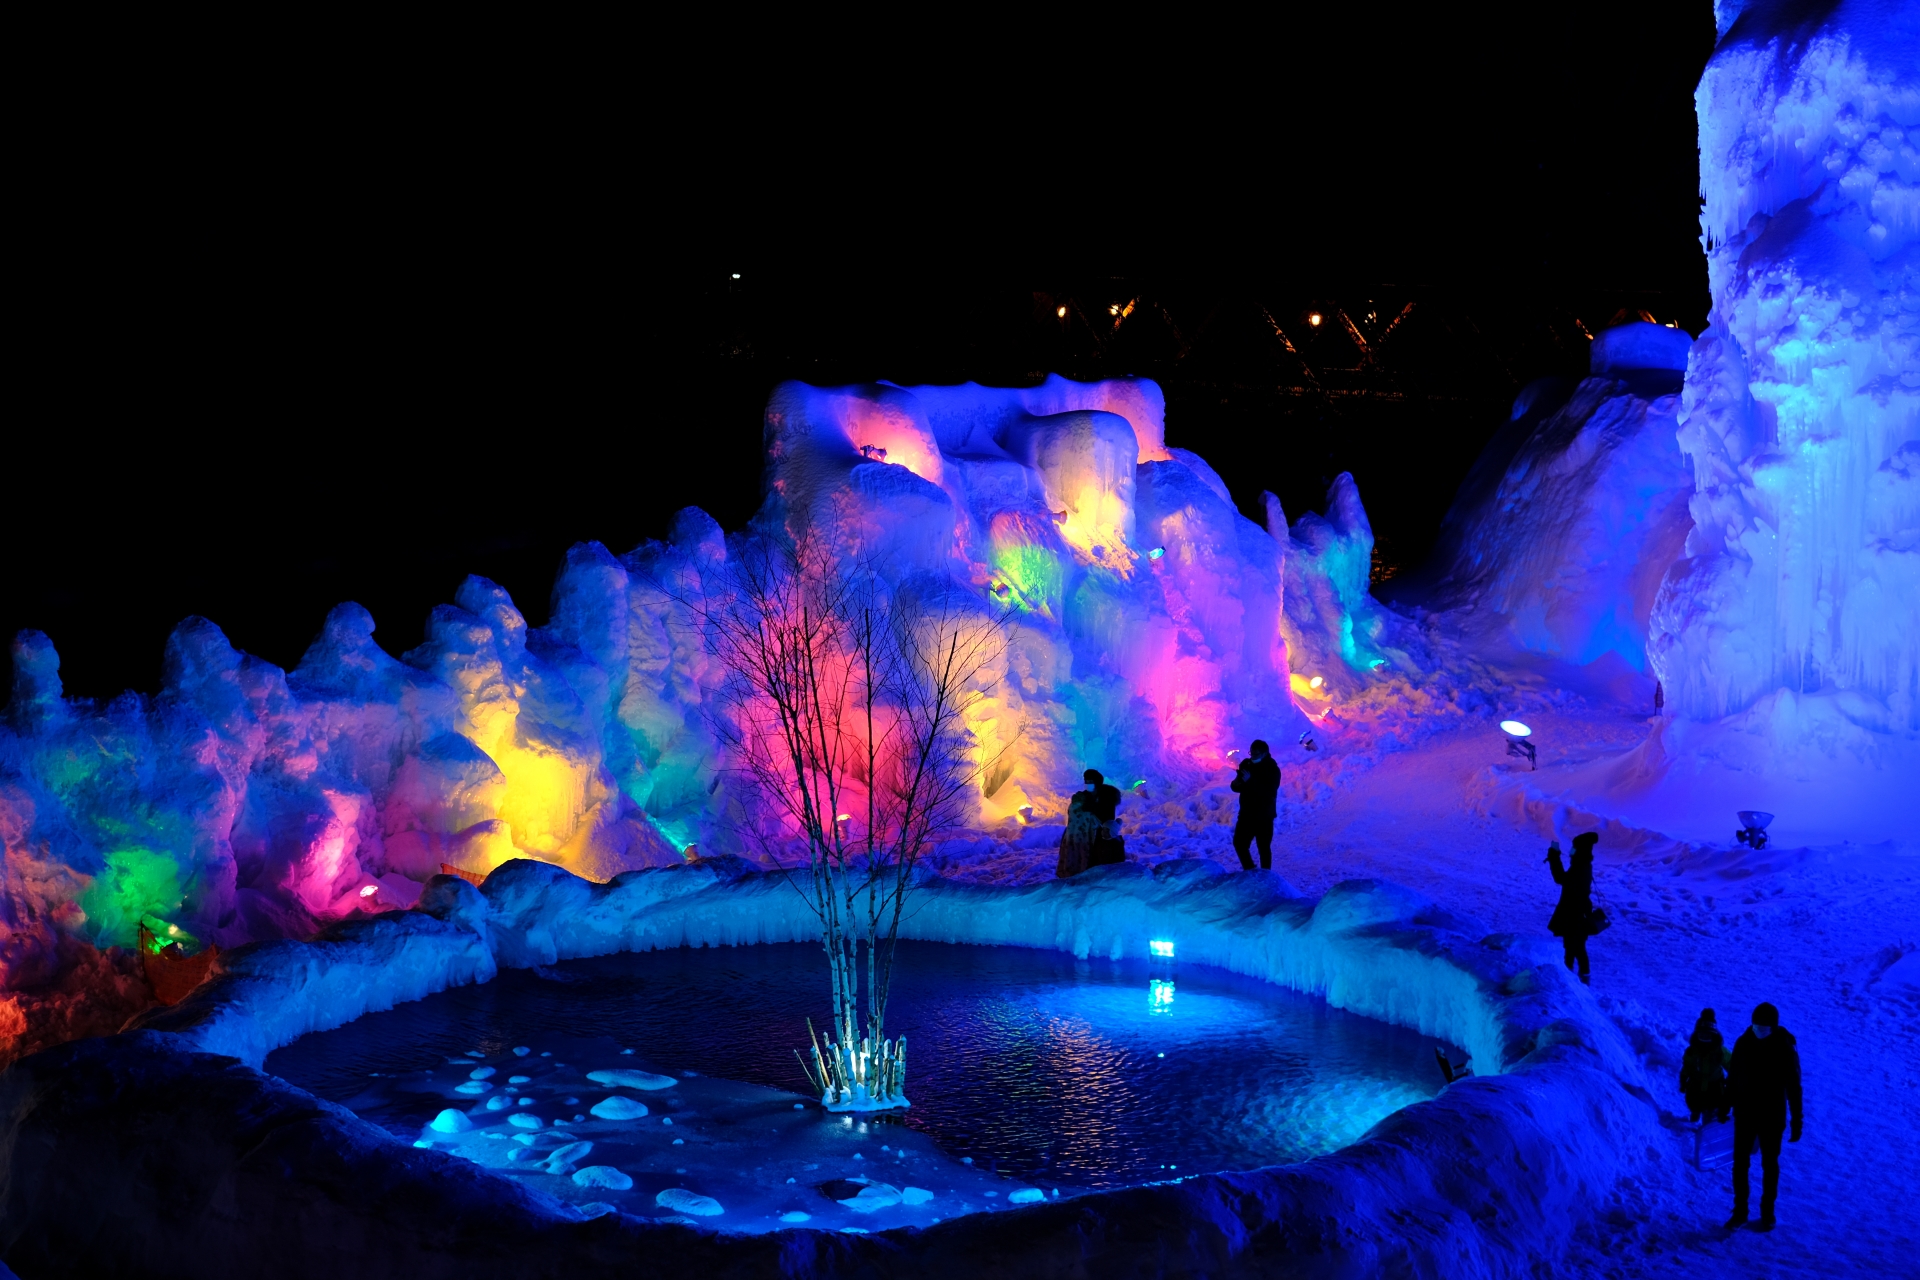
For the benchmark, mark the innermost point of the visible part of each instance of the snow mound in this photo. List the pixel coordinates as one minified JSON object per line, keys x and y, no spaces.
{"x":682,"y":1201}
{"x":627,"y":1078}
{"x":618,"y":1108}
{"x":602,"y":1175}
{"x":450,"y":1121}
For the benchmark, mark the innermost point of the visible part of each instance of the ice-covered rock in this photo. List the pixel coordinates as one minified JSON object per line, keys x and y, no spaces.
{"x":915,"y":1195}
{"x":603,"y":1176}
{"x":521,"y":1120}
{"x":1026,"y":1195}
{"x":450,"y":1121}
{"x":618,"y":1108}
{"x":628,"y":1078}
{"x":682,"y":1201}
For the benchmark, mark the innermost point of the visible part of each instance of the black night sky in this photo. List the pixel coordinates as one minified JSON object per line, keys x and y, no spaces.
{"x":270,"y":360}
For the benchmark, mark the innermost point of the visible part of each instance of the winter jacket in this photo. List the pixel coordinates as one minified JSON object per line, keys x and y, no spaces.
{"x":1571,"y":917}
{"x":1763,"y":1082}
{"x":1258,"y":782}
{"x":1703,"y":1072}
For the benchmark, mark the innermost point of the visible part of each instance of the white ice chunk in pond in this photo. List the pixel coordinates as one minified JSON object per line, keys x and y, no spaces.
{"x":626,"y":1051}
{"x":521,"y":1120}
{"x":520,"y":1155}
{"x":521,"y":1051}
{"x":1026,"y":1195}
{"x":450,"y":1121}
{"x":915,"y":1195}
{"x":794,"y":1215}
{"x":526,"y":1102}
{"x":602,"y":1175}
{"x":540,"y":1139}
{"x":473,"y":1086}
{"x":619,"y":1108}
{"x":666,"y":1119}
{"x":799,"y":1106}
{"x":627,"y":1078}
{"x":595,"y":1209}
{"x":875,"y":1195}
{"x":497,"y":1103}
{"x":679,"y":1142}
{"x":481,"y":1073}
{"x":519,"y":1079}
{"x":572,"y":1151}
{"x":683,"y":1201}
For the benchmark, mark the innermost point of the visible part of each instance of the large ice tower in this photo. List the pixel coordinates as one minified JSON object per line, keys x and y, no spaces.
{"x":1801,"y":414}
{"x":1793,"y":620}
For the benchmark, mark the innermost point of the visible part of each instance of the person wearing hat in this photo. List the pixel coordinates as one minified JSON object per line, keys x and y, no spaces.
{"x":1763,"y":1084}
{"x":1703,"y":1070}
{"x":1572,"y":919}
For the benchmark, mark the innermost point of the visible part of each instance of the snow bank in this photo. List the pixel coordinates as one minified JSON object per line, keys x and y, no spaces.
{"x":1557,"y":543}
{"x":1496,"y":1171}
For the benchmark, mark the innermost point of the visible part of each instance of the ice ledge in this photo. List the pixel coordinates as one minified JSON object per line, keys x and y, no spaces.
{"x":1488,"y":1178}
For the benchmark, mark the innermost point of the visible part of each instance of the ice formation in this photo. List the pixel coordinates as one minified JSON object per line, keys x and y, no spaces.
{"x":1153,"y":629}
{"x":1788,"y":637}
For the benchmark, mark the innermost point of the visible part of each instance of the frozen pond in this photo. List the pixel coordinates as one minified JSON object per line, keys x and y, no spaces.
{"x":1038,"y":1069}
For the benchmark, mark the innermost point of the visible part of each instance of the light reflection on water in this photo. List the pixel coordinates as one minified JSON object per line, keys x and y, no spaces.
{"x":1083,"y":1073}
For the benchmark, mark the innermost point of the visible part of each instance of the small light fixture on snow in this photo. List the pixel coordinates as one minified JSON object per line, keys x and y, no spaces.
{"x":1161,"y":948}
{"x":1026,"y":813}
{"x":1139,"y":783}
{"x":1306,"y":740}
{"x":1061,"y":312}
{"x":1313,"y":318}
{"x":842,"y":817}
{"x":736,"y":275}
{"x":1517,"y":744}
{"x":1753,"y":828}
{"x":1114,"y":309}
{"x":1318,"y":682}
{"x":1156,"y":553}
{"x":370,"y":890}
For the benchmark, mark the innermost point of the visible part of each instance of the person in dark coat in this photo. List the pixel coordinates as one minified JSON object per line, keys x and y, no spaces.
{"x":1258,"y":782}
{"x":1703,"y":1070}
{"x":1090,"y":839}
{"x":1763,"y":1084}
{"x":1572,"y":918}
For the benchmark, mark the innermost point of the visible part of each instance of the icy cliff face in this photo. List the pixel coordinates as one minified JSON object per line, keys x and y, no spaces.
{"x":1153,"y":628}
{"x":1797,"y":604}
{"x":1560,"y":537}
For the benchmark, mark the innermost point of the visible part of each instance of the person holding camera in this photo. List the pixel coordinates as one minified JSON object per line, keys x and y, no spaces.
{"x":1572,"y":919}
{"x":1257,"y":779}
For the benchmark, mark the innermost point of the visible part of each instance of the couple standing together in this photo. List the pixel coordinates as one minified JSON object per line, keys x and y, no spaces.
{"x":1092,"y":838}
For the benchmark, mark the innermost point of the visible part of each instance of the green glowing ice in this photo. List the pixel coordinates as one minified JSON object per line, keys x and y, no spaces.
{"x":135,"y":882}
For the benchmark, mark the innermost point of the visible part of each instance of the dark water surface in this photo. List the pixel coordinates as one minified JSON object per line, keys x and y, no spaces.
{"x":1090,"y":1073}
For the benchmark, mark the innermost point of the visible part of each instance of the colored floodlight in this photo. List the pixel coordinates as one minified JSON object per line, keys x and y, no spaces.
{"x":1156,"y":553}
{"x":1162,"y":948}
{"x":1314,"y":318}
{"x":369,"y":891}
{"x":1061,"y":312}
{"x":1515,"y":728}
{"x":1318,"y":682}
{"x":1114,"y":310}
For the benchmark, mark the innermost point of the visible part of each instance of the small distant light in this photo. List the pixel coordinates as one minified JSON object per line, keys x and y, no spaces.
{"x":370,"y":890}
{"x":1138,"y":783}
{"x":173,"y":930}
{"x":1313,"y":318}
{"x":1318,"y":682}
{"x":1026,"y":813}
{"x":1162,"y":948}
{"x":1515,"y":728}
{"x":1156,"y":553}
{"x":1114,"y":310}
{"x":843,"y":817}
{"x":736,"y":275}
{"x":1061,"y":312}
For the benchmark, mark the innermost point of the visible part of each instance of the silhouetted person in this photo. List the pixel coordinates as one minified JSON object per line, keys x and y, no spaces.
{"x":1089,"y":839}
{"x":1572,"y":920}
{"x":1258,"y":782}
{"x":1703,"y":1070}
{"x":1763,"y":1084}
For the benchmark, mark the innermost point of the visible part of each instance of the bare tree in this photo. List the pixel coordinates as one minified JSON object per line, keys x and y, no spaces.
{"x":846,"y":705}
